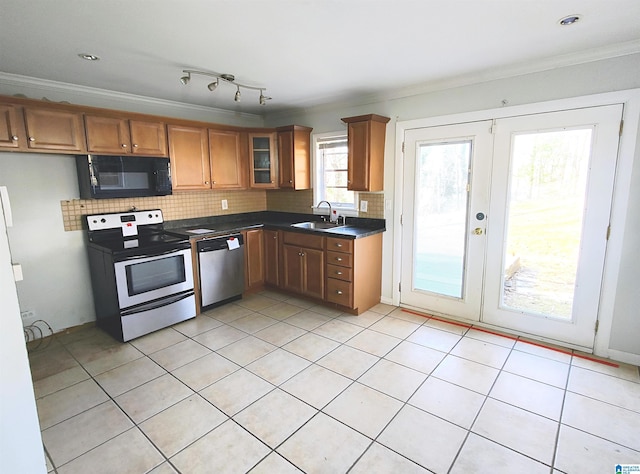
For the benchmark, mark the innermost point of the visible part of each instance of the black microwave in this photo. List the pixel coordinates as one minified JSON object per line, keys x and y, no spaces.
{"x":104,"y":177}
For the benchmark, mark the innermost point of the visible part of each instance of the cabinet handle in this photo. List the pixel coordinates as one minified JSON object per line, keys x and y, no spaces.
{"x":206,"y":182}
{"x":338,"y":273}
{"x":275,"y":237}
{"x":290,"y":181}
{"x":338,"y":245}
{"x":32,"y":139}
{"x":213,"y":182}
{"x":14,"y":138}
{"x":339,"y":292}
{"x":124,"y":145}
{"x":135,"y":145}
{"x":339,"y":259}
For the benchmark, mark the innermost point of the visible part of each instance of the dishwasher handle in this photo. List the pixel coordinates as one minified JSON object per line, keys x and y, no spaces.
{"x":217,"y":243}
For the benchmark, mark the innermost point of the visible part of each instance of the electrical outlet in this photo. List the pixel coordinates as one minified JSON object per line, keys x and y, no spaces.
{"x":225,"y":205}
{"x":364,"y":205}
{"x":28,"y":317}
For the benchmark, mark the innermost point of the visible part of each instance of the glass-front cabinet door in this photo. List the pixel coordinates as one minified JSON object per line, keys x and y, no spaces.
{"x":263,"y":159}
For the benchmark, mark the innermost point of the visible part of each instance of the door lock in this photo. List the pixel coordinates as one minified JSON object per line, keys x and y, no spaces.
{"x":477,"y":231}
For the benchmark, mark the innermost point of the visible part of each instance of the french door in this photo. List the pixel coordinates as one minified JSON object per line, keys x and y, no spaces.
{"x":518,"y":241}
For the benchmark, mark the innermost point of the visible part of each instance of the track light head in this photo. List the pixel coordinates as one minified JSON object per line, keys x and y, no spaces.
{"x":263,"y":98}
{"x":212,"y":86}
{"x":185,"y":79}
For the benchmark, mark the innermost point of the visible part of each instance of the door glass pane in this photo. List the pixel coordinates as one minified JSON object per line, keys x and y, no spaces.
{"x":441,"y":202}
{"x":548,"y":177}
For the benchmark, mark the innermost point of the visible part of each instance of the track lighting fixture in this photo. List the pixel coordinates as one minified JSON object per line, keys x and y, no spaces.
{"x":229,"y":78}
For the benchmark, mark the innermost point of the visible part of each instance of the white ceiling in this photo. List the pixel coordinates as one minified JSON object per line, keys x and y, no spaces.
{"x":304,"y":52}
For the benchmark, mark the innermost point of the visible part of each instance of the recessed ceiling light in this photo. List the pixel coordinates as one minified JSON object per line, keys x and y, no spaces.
{"x":89,"y":57}
{"x":569,"y":20}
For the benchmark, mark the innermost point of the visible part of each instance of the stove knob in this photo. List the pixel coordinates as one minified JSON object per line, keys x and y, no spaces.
{"x":150,"y":216}
{"x":103,"y":220}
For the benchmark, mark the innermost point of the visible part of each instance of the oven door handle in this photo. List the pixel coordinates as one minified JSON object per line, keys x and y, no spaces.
{"x":151,"y":255}
{"x":156,"y":304}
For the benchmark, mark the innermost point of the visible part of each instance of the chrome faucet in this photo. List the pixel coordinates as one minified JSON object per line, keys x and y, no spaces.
{"x":330,"y":209}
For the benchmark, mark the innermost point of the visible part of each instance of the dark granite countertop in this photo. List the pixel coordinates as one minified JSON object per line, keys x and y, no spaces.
{"x":355,"y":228}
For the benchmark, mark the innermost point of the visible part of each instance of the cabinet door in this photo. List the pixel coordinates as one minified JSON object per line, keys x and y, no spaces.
{"x":262,"y":160}
{"x":285,"y":156}
{"x":271,"y":257}
{"x":148,"y":138}
{"x":254,"y":256}
{"x":313,"y":273}
{"x":51,"y":129}
{"x":291,"y":268}
{"x":107,"y":135}
{"x":189,"y":153}
{"x":358,"y":167}
{"x":294,"y":157}
{"x":11,"y":134}
{"x":227,"y":169}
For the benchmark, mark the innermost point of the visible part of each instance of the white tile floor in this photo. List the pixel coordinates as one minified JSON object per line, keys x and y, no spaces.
{"x":272,"y":384}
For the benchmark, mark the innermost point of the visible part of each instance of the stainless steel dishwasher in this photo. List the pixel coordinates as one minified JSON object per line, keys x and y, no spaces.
{"x":221,"y":264}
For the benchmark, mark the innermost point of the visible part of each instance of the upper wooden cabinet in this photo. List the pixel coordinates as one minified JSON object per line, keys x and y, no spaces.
{"x":262,"y":160}
{"x":189,"y":151}
{"x":366,"y":137}
{"x":227,"y":160}
{"x":53,"y":129}
{"x":294,"y":157}
{"x":119,"y":136}
{"x":11,"y":127}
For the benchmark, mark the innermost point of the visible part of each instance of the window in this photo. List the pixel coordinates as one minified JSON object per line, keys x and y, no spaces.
{"x":331,"y":171}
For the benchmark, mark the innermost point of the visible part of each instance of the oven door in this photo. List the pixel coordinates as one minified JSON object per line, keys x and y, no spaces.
{"x":146,"y":278}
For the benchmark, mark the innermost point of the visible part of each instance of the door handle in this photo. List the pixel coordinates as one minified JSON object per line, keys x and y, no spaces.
{"x":477,"y":231}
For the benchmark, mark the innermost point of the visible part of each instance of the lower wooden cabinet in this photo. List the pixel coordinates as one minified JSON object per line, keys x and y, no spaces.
{"x":354,"y":272}
{"x":254,"y":259}
{"x":303,"y":264}
{"x":271,"y":257}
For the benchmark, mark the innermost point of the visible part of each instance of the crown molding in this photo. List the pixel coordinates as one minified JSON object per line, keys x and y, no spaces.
{"x":30,"y":86}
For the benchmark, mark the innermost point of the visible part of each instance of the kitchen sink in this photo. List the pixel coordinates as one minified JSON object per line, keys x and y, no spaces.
{"x":317,"y":225}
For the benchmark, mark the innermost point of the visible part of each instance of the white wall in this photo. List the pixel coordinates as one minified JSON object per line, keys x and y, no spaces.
{"x":585,"y":79}
{"x":56,"y":283}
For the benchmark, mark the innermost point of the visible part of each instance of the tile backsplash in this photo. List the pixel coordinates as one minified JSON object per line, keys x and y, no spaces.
{"x":192,"y":204}
{"x":181,"y":205}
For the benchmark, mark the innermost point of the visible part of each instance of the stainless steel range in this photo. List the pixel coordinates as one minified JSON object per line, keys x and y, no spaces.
{"x":142,"y":277}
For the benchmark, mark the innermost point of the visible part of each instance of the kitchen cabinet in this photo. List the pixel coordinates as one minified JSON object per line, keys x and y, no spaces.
{"x":271,"y":257}
{"x":11,"y":127}
{"x":112,"y":135}
{"x":226,"y":159}
{"x":254,"y":258}
{"x":303,"y":264}
{"x":54,"y":130}
{"x":366,"y":138}
{"x":294,"y":157}
{"x":189,"y":152}
{"x":262,"y":160}
{"x":354,"y":272}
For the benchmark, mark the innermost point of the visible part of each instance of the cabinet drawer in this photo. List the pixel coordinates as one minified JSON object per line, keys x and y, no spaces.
{"x":340,"y":245}
{"x":304,"y":240}
{"x":340,"y":273}
{"x":340,"y":292}
{"x":341,"y":259}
